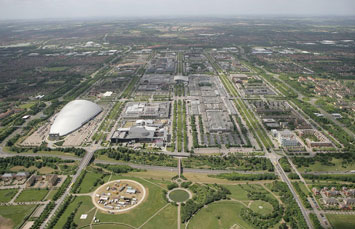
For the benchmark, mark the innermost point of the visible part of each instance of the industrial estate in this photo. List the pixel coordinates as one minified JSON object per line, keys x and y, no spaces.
{"x":178,"y":123}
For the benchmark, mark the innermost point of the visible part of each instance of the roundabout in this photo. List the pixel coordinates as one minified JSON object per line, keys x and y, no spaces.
{"x":179,"y":195}
{"x":119,"y":196}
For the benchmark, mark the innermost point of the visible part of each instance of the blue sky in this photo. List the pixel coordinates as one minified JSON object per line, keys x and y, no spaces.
{"x":35,"y":9}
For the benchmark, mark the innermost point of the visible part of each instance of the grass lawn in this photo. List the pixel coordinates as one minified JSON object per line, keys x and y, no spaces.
{"x":29,"y":195}
{"x":341,"y":221}
{"x":317,"y":166}
{"x":86,"y":207}
{"x":261,"y":207}
{"x":15,"y":215}
{"x":137,"y":216}
{"x":22,"y":168}
{"x":179,"y":195}
{"x":240,"y":191}
{"x":219,"y":215}
{"x":46,"y":170}
{"x":303,"y":188}
{"x":90,"y":178}
{"x":7,"y":194}
{"x":237,"y":192}
{"x":51,"y":194}
{"x":27,"y":105}
{"x":106,"y":226}
{"x":167,"y":218}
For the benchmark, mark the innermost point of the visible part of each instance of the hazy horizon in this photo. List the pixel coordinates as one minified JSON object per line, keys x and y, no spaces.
{"x":71,"y":9}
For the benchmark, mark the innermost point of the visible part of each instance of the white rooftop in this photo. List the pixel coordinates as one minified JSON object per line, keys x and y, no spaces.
{"x":73,"y":116}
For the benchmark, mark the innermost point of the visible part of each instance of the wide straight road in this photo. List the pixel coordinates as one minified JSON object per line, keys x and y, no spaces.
{"x":85,"y":161}
{"x":300,"y":205}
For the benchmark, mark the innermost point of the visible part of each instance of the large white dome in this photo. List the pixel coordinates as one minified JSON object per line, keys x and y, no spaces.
{"x":73,"y":116}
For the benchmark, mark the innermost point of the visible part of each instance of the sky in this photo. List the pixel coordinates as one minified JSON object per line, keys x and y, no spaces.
{"x":39,"y":9}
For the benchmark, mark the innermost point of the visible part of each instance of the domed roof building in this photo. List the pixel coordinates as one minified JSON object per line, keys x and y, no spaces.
{"x":73,"y":116}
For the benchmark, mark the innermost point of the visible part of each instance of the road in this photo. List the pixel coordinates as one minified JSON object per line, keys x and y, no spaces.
{"x":298,"y":201}
{"x":329,"y":116}
{"x":323,"y":220}
{"x":298,"y":110}
{"x":85,"y":161}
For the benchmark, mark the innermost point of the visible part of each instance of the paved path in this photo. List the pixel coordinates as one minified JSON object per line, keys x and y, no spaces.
{"x":161,"y":209}
{"x":15,"y":197}
{"x":340,"y":212}
{"x":179,"y":216}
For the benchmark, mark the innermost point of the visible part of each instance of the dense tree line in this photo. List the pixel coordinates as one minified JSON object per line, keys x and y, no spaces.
{"x":204,"y":194}
{"x":325,"y":159}
{"x":13,"y":140}
{"x":186,"y":184}
{"x":259,"y":220}
{"x":139,"y":157}
{"x":194,"y":132}
{"x":285,"y":164}
{"x":293,"y":215}
{"x":62,"y":189}
{"x":302,"y":195}
{"x":236,"y":162}
{"x":172,"y":186}
{"x":241,"y":176}
{"x":244,"y":131}
{"x":47,"y":210}
{"x":7,"y":131}
{"x":76,"y":186}
{"x":348,"y":178}
{"x":315,"y":221}
{"x":185,"y":127}
{"x":293,"y":176}
{"x":60,"y":212}
{"x":7,"y":163}
{"x":69,"y":224}
{"x":118,"y":168}
{"x":179,"y":126}
{"x":77,"y":151}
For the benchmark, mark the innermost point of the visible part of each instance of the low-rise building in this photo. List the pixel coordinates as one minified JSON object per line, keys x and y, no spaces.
{"x":286,"y":138}
{"x":8,"y":176}
{"x":315,"y":191}
{"x":22,"y":175}
{"x":330,"y":201}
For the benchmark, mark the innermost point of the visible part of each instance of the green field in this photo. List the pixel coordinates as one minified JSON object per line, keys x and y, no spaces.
{"x":167,"y":218}
{"x":51,"y":194}
{"x":136,"y":217}
{"x":240,"y":191}
{"x":29,"y":195}
{"x":341,"y":221}
{"x":7,"y":194}
{"x":179,"y":195}
{"x":86,"y":207}
{"x":261,"y":207}
{"x":219,"y":215}
{"x":111,"y":226}
{"x":14,"y":215}
{"x":88,"y":184}
{"x":27,"y":105}
{"x":317,"y":166}
{"x":140,"y":214}
{"x":237,"y":192}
